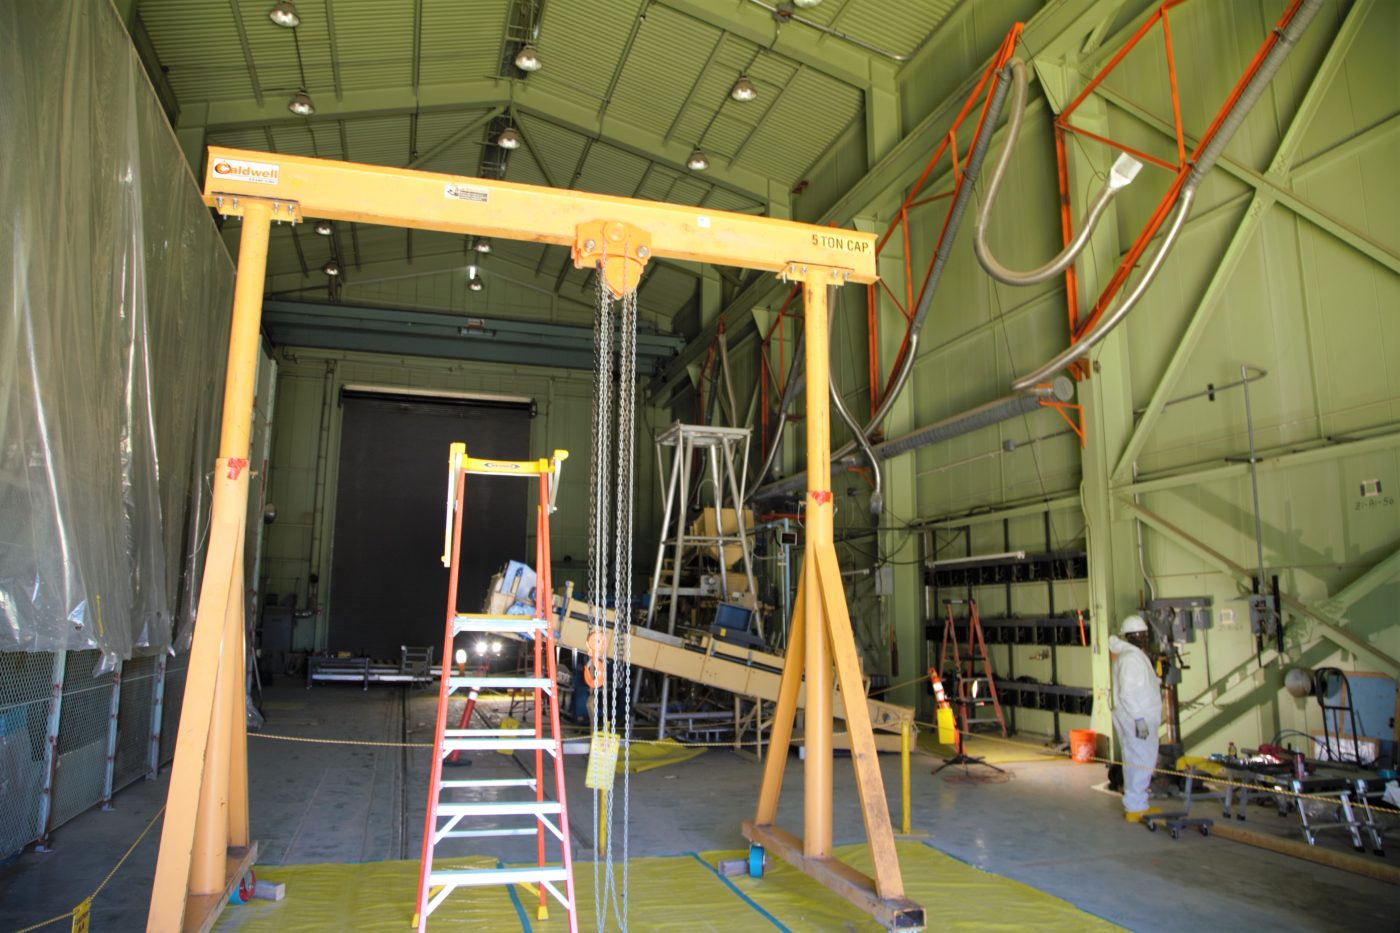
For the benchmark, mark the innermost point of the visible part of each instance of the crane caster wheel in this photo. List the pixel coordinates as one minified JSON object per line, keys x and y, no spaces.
{"x":1151,"y":826}
{"x":244,"y":892}
{"x":755,"y":861}
{"x":1205,"y":830}
{"x":1175,"y":834}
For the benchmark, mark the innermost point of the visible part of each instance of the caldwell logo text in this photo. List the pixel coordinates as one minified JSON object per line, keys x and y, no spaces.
{"x":262,"y":173}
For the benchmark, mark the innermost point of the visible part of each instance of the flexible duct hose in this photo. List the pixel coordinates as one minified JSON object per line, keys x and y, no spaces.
{"x":790,"y":389}
{"x":1287,"y":38}
{"x":1122,"y":175}
{"x":971,"y":170}
{"x":877,"y":496}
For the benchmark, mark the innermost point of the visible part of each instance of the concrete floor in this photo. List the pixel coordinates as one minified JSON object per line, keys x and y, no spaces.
{"x":1045,"y":827}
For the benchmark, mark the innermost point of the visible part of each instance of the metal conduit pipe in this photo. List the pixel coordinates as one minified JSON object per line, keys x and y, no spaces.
{"x":971,"y":170}
{"x":1287,"y":38}
{"x":877,"y":495}
{"x":1002,"y":409}
{"x":1119,"y":177}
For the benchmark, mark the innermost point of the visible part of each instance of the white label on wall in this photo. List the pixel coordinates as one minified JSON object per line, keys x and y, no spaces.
{"x":261,"y":173}
{"x":466,"y":193}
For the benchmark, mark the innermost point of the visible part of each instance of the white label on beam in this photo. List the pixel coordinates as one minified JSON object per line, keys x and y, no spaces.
{"x":466,"y":193}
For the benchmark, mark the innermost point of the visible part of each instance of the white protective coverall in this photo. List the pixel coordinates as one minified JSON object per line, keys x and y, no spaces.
{"x":1137,"y":715}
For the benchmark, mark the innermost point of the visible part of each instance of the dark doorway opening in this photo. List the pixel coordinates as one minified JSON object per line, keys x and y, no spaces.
{"x":388,"y":585}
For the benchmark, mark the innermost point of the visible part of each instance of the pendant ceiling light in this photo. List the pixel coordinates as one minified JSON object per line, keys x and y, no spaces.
{"x":509,"y":138}
{"x":483,"y":244}
{"x":743,"y":89}
{"x":301,"y":104}
{"x":698,"y":161}
{"x":528,"y":58}
{"x":285,"y":14}
{"x":331,"y":268}
{"x":323,"y":227}
{"x":475,"y":284}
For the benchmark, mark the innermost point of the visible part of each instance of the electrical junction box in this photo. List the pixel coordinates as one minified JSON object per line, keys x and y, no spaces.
{"x":884,"y":580}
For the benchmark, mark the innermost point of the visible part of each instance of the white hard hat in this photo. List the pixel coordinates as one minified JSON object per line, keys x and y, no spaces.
{"x":1131,"y":624}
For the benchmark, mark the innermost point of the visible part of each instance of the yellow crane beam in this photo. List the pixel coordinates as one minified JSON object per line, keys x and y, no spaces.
{"x":205,"y":844}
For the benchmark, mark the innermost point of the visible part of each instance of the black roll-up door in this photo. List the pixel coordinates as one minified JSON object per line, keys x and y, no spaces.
{"x":388,"y":585}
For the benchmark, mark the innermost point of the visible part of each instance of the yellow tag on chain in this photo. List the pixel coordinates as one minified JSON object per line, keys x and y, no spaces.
{"x":602,"y":761}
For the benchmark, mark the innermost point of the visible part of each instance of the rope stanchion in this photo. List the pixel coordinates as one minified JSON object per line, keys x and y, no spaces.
{"x":86,"y":903}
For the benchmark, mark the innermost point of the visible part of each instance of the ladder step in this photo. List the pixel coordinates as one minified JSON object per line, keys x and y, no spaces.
{"x":477,"y":808}
{"x":506,"y":744}
{"x":491,"y":782}
{"x":484,"y":733}
{"x":483,"y":876}
{"x":481,"y":622}
{"x":502,"y":683}
{"x":487,"y":833}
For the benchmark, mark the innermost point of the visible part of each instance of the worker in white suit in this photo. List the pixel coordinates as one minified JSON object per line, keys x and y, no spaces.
{"x":1137,"y":713}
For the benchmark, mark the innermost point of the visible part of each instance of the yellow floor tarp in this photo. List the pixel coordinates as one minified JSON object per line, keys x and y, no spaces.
{"x":648,"y":755}
{"x":673,"y":893}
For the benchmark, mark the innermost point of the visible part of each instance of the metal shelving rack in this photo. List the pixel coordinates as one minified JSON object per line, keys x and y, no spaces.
{"x":1054,"y":630}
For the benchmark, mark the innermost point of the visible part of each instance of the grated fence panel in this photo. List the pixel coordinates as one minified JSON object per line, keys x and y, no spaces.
{"x":26,"y":695}
{"x":175,"y":671}
{"x":134,"y":721}
{"x":83,"y":724}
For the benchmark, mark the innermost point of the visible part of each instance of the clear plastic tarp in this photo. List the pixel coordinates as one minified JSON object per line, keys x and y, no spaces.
{"x":115,"y":294}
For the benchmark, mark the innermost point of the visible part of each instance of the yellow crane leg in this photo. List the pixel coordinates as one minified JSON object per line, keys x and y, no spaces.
{"x":204,"y":844}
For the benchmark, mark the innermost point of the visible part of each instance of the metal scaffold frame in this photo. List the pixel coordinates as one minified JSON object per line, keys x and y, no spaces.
{"x":205,"y":843}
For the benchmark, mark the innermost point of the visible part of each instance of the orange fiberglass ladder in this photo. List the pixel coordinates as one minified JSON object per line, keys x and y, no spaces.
{"x":434,"y":885}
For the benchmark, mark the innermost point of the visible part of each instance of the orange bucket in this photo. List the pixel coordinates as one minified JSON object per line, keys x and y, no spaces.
{"x":1081,"y":745}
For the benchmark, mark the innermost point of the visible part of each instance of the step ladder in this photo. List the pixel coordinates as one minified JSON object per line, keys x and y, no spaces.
{"x":976,"y":686}
{"x":542,"y":816}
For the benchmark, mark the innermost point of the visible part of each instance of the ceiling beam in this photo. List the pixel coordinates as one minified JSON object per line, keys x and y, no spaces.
{"x":454,"y":335}
{"x":802,"y":44}
{"x":476,"y":95}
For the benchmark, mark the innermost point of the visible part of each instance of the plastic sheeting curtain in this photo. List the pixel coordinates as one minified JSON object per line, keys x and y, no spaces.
{"x":115,"y":293}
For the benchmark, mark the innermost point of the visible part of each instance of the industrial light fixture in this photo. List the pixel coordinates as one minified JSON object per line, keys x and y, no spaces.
{"x":698,"y":161}
{"x":483,"y":244}
{"x":460,"y":656}
{"x":323,"y":227}
{"x":301,"y":104}
{"x":475,"y":283}
{"x":509,"y":138}
{"x":528,"y":58}
{"x":806,"y":4}
{"x":331,"y":268}
{"x":743,"y":89}
{"x":283,"y":13}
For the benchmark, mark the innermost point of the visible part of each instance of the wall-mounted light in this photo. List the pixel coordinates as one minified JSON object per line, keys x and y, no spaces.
{"x":698,"y":161}
{"x":331,"y":268}
{"x":285,"y":14}
{"x":528,"y":58}
{"x":509,"y":138}
{"x":743,"y":89}
{"x":323,"y":228}
{"x":301,"y":104}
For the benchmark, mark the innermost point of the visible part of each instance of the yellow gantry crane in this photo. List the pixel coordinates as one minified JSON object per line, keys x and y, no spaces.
{"x":206,"y":848}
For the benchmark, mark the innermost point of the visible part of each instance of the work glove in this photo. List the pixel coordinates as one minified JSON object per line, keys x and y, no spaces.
{"x":1140,"y":727}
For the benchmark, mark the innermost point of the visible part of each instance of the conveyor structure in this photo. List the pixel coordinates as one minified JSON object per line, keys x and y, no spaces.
{"x":701,"y":658}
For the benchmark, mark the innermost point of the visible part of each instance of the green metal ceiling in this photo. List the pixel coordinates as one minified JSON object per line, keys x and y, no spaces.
{"x":628,"y":88}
